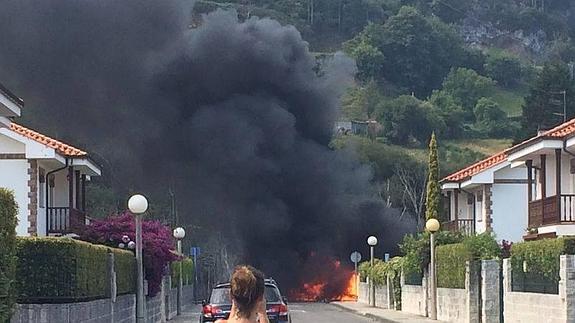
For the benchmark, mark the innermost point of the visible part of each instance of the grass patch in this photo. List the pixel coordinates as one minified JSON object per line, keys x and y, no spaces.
{"x":510,"y":101}
{"x":483,"y":146}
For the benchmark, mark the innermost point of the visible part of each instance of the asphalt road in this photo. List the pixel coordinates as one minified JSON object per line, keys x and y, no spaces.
{"x":322,"y":313}
{"x":300,"y":313}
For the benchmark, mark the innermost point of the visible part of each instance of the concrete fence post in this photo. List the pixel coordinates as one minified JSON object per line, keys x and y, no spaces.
{"x":507,"y":276}
{"x":425,"y":289}
{"x":490,"y":291}
{"x":390,"y":296}
{"x":567,"y":285}
{"x":111,"y":286}
{"x":473,"y":292}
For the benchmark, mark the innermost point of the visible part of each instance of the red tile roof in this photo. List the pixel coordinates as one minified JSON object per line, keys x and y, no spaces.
{"x":59,"y":146}
{"x":476,"y":168}
{"x":560,"y":131}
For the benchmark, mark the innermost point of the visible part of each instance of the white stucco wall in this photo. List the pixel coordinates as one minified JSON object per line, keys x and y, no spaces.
{"x":14,"y":176}
{"x":510,"y":205}
{"x":509,"y":211}
{"x":11,"y":146}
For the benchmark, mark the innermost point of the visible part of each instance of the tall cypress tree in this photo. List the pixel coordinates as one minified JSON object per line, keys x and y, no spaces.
{"x":8,"y":221}
{"x":432,"y":197}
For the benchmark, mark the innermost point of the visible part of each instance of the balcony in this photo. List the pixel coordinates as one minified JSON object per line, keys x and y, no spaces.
{"x":465,"y":226}
{"x":65,"y":220}
{"x":552,"y":210}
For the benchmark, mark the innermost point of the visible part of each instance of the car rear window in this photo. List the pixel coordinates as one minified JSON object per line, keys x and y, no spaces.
{"x":222,"y":295}
{"x":272,"y":294}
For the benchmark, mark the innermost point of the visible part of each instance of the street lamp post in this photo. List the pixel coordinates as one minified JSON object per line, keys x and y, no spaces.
{"x":179,"y":234}
{"x":432,"y":225}
{"x":138,"y":205}
{"x":372,"y":242}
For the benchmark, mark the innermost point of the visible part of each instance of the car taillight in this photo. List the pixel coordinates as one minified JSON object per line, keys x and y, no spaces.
{"x":281,"y":309}
{"x":210,"y":310}
{"x":207,"y":310}
{"x":216,"y":310}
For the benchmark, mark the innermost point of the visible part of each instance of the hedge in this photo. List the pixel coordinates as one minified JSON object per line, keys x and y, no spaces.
{"x":55,"y":270}
{"x":542,"y":256}
{"x":187,"y":270}
{"x":452,"y":258}
{"x":8,"y":222}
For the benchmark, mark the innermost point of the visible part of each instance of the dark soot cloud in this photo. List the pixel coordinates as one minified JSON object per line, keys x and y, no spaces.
{"x":232,"y":114}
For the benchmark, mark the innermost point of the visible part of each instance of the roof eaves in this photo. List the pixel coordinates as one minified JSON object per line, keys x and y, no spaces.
{"x":11,"y":96}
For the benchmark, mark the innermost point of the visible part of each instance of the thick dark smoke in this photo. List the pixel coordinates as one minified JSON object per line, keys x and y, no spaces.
{"x":231,"y":115}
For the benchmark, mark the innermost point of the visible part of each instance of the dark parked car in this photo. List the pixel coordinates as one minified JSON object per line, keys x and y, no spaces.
{"x":219,"y":305}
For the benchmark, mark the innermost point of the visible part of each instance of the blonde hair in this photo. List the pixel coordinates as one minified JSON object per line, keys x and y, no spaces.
{"x":247,"y":288}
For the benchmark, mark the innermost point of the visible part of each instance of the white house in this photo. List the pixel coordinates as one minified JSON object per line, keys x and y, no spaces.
{"x":490,"y":196}
{"x":549,"y":160}
{"x":525,"y":191}
{"x":47,"y":176}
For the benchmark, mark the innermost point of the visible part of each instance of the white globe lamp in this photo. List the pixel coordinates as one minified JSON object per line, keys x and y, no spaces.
{"x":138,"y":204}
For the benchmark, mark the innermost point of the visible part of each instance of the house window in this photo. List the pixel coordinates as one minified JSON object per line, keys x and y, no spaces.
{"x":42,"y":187}
{"x":51,"y":184}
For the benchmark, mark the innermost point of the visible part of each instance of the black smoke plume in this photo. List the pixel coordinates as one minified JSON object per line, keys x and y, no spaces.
{"x":231,"y":115}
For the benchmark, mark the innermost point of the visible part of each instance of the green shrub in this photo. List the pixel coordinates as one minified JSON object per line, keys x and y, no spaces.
{"x":416,"y":249}
{"x":8,"y":222}
{"x":57,"y":270}
{"x":125,"y":267}
{"x":541,"y":257}
{"x":187,"y":271}
{"x":451,"y":265}
{"x":452,"y":258}
{"x":381,"y":270}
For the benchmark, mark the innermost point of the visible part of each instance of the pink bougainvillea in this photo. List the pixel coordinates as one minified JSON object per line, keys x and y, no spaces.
{"x":158,"y":244}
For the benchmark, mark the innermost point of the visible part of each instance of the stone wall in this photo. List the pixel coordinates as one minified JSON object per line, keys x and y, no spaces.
{"x":452,"y":305}
{"x":103,"y":310}
{"x":381,"y":295}
{"x":363,"y":293}
{"x":156,"y":308}
{"x":414,"y":297}
{"x":535,"y":307}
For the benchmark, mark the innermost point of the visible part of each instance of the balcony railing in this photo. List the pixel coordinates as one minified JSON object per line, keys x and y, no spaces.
{"x":465,"y":226}
{"x":64,"y":220}
{"x":552,"y":210}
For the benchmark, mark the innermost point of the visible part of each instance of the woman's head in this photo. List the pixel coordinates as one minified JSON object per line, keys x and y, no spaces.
{"x":247,"y":288}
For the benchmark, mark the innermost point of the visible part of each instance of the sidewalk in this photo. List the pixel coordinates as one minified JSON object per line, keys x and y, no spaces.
{"x":190,"y":313}
{"x":381,"y":315}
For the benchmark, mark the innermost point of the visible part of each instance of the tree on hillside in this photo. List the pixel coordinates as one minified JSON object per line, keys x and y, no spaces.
{"x":406,"y":120}
{"x":504,"y":68}
{"x":412,"y":181}
{"x":451,"y":112}
{"x":543,"y":106}
{"x":491,"y":121}
{"x":467,"y":87}
{"x":419,"y":51}
{"x":433,"y":191}
{"x":359,"y":103}
{"x":8,"y":222}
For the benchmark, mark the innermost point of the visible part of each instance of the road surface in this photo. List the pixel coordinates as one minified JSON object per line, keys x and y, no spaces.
{"x":322,"y":313}
{"x":300,"y":313}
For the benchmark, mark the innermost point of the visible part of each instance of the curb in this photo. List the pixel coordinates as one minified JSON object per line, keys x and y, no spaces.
{"x":365,"y":314}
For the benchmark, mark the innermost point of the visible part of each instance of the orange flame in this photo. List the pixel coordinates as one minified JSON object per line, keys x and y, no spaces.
{"x":316,"y":291}
{"x":351,"y":291}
